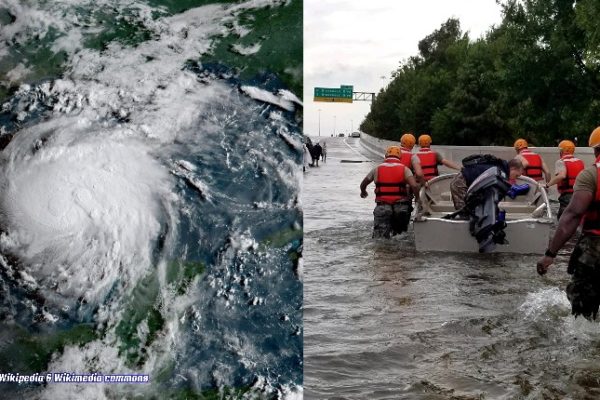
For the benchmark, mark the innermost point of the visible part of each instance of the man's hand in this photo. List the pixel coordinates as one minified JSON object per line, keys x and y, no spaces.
{"x":363,"y":185}
{"x":543,"y":264}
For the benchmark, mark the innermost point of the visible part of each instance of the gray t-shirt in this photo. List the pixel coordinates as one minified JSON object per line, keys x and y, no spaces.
{"x":586,"y":180}
{"x":559,"y":166}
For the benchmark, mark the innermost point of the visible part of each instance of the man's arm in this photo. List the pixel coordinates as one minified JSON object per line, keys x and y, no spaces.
{"x":546,"y":171}
{"x":567,"y":226}
{"x":557,"y":178}
{"x":451,"y":164}
{"x":416,"y":166}
{"x":363,"y":185}
{"x":414,"y":186}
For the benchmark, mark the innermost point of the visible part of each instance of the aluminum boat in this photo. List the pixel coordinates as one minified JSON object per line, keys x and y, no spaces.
{"x":528,"y":221}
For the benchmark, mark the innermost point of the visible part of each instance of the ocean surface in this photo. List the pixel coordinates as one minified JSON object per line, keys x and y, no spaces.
{"x":150,"y":220}
{"x":382,"y":321}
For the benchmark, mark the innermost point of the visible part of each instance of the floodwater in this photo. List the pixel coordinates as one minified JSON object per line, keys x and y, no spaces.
{"x":382,"y":321}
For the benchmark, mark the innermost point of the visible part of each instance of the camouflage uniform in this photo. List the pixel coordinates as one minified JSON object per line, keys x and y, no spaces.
{"x":458,"y":190}
{"x":563,"y":200}
{"x":391,"y":219}
{"x":584,"y":265}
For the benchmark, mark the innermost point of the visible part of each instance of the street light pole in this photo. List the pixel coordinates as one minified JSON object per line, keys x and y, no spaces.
{"x":334,"y":126}
{"x":319,"y":122}
{"x":351,"y":126}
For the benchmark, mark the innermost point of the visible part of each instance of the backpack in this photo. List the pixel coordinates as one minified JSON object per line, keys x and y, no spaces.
{"x":476,"y":164}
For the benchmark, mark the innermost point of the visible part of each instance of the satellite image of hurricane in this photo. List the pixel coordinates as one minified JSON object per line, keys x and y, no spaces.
{"x":150,"y":221}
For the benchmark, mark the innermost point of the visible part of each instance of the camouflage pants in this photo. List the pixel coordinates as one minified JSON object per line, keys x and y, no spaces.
{"x":391,"y":219}
{"x":584,"y":266}
{"x":458,"y":191}
{"x":563,"y":200}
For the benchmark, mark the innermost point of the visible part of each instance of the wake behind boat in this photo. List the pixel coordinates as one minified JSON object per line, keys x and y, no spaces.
{"x":528,"y":220}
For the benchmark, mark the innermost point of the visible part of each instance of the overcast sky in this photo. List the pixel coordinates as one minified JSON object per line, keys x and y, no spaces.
{"x":360,"y":43}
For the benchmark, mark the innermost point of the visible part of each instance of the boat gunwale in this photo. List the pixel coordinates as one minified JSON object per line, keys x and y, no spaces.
{"x":424,"y":194}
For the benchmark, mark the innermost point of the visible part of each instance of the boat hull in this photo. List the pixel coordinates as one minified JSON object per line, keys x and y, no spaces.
{"x":526,"y":236}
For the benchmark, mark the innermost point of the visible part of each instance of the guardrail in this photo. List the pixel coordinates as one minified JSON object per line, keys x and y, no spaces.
{"x":457,"y":153}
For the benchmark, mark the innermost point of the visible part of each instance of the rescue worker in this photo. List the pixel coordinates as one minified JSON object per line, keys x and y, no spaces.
{"x":407,"y":142}
{"x":473,"y":167}
{"x":566,"y":170}
{"x":429,"y":159}
{"x":306,"y":157}
{"x":392,"y":178}
{"x":316,"y":153}
{"x":532,"y":162}
{"x":584,"y":264}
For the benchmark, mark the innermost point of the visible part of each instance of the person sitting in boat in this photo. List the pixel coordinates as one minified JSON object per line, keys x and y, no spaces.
{"x":392,"y":178}
{"x":473,"y":166}
{"x":532,"y":162}
{"x":566,"y":170}
{"x":429,"y":160}
{"x":583,"y":291}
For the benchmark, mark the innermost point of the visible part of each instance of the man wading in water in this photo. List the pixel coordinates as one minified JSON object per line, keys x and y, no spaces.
{"x":584,"y":265}
{"x":393,"y":183}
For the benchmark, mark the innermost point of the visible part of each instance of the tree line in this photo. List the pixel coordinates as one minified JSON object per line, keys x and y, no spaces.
{"x":536,"y":75}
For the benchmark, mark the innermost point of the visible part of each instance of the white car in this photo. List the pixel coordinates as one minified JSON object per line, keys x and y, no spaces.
{"x":355,"y":134}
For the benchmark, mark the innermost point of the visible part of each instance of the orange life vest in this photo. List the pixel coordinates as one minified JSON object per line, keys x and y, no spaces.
{"x":573,"y":167}
{"x":406,"y":157}
{"x":390,"y":184}
{"x":428,"y":161}
{"x":591,"y":220}
{"x":534,"y":169}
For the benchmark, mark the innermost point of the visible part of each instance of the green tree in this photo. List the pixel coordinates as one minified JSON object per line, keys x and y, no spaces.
{"x":535,"y":75}
{"x":471,"y":115}
{"x":420,"y":86}
{"x":546,"y":87}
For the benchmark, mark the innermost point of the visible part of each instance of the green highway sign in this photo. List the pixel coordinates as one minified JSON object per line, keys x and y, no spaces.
{"x":342,"y":94}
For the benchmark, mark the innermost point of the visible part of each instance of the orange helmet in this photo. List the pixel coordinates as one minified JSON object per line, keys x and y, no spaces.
{"x":408,"y":140}
{"x":595,"y":137}
{"x":424,"y":141}
{"x":567,"y":147}
{"x":393,"y":151}
{"x":520,"y":144}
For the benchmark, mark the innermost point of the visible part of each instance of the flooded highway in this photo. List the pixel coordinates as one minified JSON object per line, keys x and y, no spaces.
{"x":382,"y":321}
